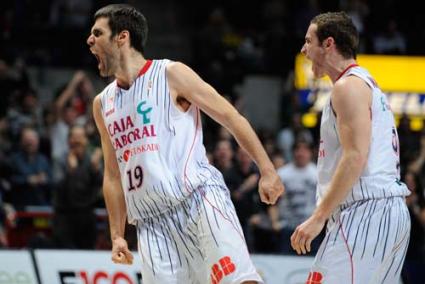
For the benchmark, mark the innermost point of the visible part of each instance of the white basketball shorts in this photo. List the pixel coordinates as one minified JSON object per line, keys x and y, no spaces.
{"x":198,"y":241}
{"x":365,"y":243}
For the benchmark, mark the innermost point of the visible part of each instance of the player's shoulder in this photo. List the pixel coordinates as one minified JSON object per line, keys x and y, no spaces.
{"x":174,"y":67}
{"x":100,"y":97}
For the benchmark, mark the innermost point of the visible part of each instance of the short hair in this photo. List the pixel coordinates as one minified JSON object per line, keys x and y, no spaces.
{"x":300,"y":142}
{"x":339,"y":26}
{"x":125,"y":17}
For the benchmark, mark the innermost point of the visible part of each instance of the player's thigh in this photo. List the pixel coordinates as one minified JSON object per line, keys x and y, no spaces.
{"x":226,"y":255}
{"x":163,"y":261}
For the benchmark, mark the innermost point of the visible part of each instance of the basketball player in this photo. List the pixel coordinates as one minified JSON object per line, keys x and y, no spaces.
{"x":156,"y":171}
{"x":360,"y":195}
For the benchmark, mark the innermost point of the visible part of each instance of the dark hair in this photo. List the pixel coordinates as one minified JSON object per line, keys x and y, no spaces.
{"x":339,"y":26}
{"x":300,"y":142}
{"x":125,"y":17}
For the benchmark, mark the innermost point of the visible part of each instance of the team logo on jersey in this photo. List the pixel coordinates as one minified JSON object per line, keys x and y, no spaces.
{"x":133,"y":151}
{"x":123,"y":132}
{"x":224,"y":267}
{"x":144,"y":112}
{"x":112,"y":109}
{"x":315,"y":277}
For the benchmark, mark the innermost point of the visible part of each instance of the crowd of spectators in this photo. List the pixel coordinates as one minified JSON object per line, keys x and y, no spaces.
{"x":50,"y":155}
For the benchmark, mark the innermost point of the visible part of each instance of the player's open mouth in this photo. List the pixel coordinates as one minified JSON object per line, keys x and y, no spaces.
{"x":98,"y":59}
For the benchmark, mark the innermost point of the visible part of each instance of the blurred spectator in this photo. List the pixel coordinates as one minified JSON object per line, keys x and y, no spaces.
{"x":392,"y":41}
{"x":70,"y":14}
{"x":223,"y":161}
{"x":279,"y":222}
{"x":288,"y":135}
{"x":77,"y":193}
{"x":70,"y":109}
{"x":31,"y":172}
{"x":299,"y":201}
{"x":26,"y":113}
{"x":244,"y":192}
{"x":415,"y":258}
{"x":418,"y":164}
{"x":358,"y":10}
{"x":11,"y":80}
{"x":277,"y":160}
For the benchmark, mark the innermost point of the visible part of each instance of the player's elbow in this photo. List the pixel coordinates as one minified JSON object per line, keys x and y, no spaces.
{"x":358,"y":159}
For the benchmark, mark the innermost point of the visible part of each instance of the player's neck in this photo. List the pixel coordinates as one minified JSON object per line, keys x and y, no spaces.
{"x":129,"y":69}
{"x":337,"y":68}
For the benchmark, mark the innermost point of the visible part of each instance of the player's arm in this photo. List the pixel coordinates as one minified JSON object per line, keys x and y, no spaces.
{"x":185,"y":83}
{"x":112,"y":191}
{"x":351,"y":101}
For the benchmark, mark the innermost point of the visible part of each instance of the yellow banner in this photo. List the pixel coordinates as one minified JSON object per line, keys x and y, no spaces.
{"x":404,"y":74}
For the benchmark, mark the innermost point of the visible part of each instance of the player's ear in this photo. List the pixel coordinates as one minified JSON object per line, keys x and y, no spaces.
{"x":328,"y":42}
{"x":123,"y":37}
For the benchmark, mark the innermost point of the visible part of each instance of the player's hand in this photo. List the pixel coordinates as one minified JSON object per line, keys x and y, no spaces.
{"x":120,"y":252}
{"x":305,"y":233}
{"x":270,"y":187}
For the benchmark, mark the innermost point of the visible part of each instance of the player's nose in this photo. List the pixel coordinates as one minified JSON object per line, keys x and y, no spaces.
{"x":90,"y":40}
{"x":303,"y":49}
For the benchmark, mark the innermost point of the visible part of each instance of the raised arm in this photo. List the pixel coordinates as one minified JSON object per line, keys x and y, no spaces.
{"x":113,"y":193}
{"x":185,"y":83}
{"x":351,"y":101}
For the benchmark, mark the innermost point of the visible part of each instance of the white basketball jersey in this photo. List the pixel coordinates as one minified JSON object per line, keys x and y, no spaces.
{"x":159,"y":148}
{"x":380,"y":177}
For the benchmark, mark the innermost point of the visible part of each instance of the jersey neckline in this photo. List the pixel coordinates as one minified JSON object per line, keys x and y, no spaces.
{"x":142,"y":71}
{"x":345,"y":70}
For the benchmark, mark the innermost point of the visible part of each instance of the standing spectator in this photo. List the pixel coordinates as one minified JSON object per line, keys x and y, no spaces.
{"x":77,"y":193}
{"x":300,"y":180}
{"x":244,"y":193}
{"x":274,"y":227}
{"x":70,"y":108}
{"x":294,"y":132}
{"x":31,"y":172}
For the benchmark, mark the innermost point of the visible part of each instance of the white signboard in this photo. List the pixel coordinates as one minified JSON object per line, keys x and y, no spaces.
{"x":16,"y":267}
{"x":85,"y":267}
{"x":276,"y":269}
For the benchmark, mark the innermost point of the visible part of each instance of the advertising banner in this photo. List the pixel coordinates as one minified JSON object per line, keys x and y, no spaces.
{"x":16,"y":267}
{"x":85,"y":267}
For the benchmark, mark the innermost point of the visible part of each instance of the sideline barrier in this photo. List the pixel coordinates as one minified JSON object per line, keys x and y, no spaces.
{"x":96,"y":267}
{"x":16,"y":267}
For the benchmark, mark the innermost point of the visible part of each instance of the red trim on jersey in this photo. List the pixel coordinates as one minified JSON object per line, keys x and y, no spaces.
{"x":346,"y":69}
{"x":142,"y":71}
{"x":145,"y":67}
{"x":348,"y":250}
{"x":190,"y":151}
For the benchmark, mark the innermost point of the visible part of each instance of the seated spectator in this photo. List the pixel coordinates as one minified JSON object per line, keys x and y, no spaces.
{"x":31,"y":172}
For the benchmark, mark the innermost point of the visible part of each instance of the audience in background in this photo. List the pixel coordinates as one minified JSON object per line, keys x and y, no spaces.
{"x":77,"y":192}
{"x":31,"y":176}
{"x":48,"y":156}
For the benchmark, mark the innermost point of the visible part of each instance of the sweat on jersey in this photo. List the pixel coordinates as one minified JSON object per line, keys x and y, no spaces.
{"x":158,"y":147}
{"x":381,"y":175}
